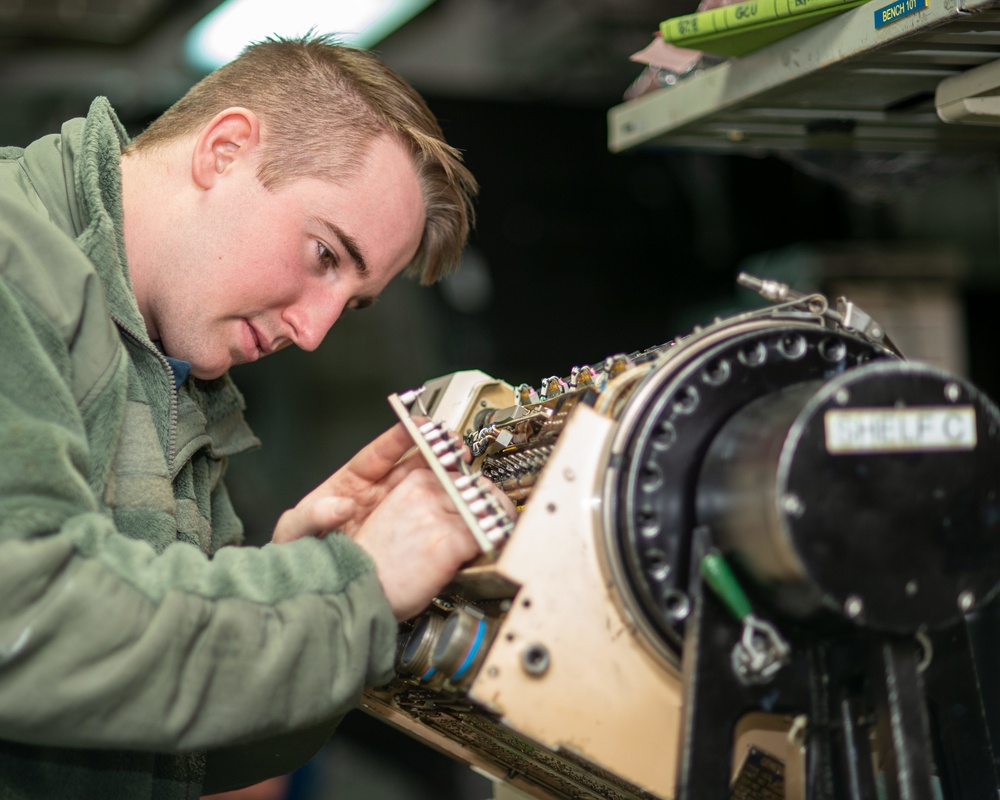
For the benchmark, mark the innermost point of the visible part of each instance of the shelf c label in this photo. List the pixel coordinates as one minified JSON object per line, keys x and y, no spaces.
{"x":885,"y":430}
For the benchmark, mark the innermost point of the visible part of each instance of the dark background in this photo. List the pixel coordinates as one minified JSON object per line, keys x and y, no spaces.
{"x":577,"y":253}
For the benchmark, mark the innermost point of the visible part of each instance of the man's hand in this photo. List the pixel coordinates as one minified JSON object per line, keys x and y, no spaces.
{"x":417,"y":540}
{"x":346,"y":499}
{"x":396,"y":510}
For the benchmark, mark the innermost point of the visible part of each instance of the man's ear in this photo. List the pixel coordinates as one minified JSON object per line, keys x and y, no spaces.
{"x":232,"y":135}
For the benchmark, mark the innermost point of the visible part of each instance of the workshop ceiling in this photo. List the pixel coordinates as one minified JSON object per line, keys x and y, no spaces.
{"x":550,"y":50}
{"x":53,"y":52}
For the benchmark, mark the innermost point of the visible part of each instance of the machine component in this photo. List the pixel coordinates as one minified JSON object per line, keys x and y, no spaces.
{"x":761,"y":651}
{"x":778,"y":488}
{"x":840,"y":504}
{"x":970,"y":97}
{"x":414,"y":656}
{"x":668,"y":428}
{"x":486,"y":518}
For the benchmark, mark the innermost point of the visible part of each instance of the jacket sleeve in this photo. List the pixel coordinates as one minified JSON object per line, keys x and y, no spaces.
{"x":230,"y":768}
{"x":105,"y":642}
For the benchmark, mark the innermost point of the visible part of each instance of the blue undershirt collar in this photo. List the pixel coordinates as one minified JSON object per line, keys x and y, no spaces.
{"x":180,"y":368}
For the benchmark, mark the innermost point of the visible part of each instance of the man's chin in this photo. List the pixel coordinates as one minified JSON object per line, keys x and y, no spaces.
{"x":208,"y":373}
{"x":205,"y":366}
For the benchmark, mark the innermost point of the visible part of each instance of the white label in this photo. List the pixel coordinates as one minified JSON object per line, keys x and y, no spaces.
{"x":882,"y":430}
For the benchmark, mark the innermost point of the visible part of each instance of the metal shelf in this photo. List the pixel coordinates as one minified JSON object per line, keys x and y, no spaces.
{"x":839,"y":85}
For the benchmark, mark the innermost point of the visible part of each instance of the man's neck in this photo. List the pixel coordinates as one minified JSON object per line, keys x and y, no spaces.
{"x":149,"y":186}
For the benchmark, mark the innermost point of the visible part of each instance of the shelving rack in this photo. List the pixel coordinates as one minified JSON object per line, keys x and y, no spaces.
{"x":843,"y":84}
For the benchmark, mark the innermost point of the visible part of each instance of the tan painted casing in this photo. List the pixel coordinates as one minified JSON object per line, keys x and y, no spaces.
{"x":604,"y":696}
{"x":604,"y":718}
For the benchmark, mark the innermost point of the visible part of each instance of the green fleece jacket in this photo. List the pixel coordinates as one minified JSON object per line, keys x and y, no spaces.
{"x":142,"y":655}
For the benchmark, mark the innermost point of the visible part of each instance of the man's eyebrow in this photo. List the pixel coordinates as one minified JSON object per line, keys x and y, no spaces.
{"x":349,"y":242}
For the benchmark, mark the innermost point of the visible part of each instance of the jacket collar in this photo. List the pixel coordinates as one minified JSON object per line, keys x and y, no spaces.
{"x":92,"y":150}
{"x":77,"y":176}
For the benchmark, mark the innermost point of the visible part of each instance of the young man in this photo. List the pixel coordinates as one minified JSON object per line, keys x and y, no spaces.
{"x":140,"y":655}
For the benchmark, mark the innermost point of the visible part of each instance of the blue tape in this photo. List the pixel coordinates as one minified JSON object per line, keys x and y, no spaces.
{"x":471,"y":655}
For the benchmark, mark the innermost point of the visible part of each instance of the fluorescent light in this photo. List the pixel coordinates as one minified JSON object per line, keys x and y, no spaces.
{"x":222,"y":34}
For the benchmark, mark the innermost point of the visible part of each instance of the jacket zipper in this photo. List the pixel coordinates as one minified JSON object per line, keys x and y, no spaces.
{"x":168,"y":374}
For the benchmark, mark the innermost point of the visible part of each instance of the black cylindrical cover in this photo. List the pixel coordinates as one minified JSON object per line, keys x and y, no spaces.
{"x":873,"y":495}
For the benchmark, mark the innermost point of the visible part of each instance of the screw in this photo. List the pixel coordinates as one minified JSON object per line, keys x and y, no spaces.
{"x":952,"y":392}
{"x":793,"y":505}
{"x":678,"y":605}
{"x":841,"y":397}
{"x":535,"y":659}
{"x":966,"y":600}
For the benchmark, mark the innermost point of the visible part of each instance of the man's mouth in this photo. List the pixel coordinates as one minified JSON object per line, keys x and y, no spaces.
{"x":258,"y":349}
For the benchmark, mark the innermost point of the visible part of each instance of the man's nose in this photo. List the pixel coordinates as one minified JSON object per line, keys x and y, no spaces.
{"x":310,"y":318}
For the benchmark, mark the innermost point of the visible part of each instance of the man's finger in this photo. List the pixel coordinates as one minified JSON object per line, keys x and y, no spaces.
{"x":314,"y":518}
{"x":373,"y":462}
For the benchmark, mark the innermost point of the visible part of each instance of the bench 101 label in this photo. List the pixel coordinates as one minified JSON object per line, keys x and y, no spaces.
{"x":890,"y":430}
{"x":896,"y":11}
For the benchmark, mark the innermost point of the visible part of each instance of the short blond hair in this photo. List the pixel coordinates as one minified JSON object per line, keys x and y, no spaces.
{"x":321,"y":105}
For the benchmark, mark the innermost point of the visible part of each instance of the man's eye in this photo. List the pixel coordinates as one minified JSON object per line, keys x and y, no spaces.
{"x":326,"y":256}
